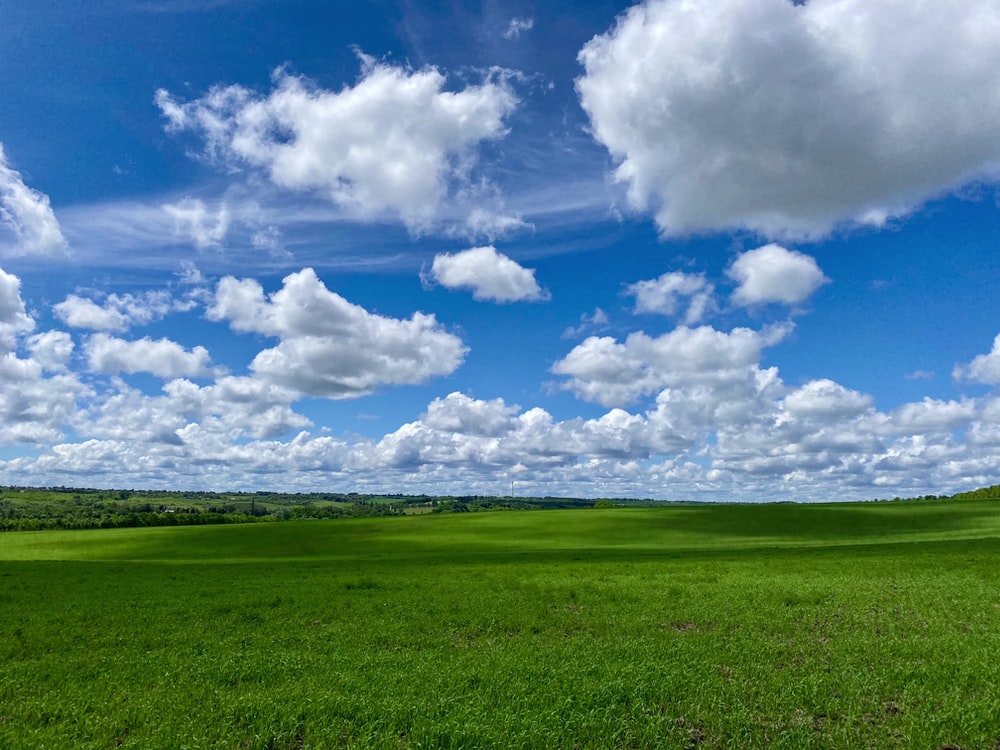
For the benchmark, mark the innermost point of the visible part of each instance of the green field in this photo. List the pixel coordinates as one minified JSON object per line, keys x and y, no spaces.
{"x":868,"y":625}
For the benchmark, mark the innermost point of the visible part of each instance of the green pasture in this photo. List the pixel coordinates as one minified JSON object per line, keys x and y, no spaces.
{"x":784,"y":626}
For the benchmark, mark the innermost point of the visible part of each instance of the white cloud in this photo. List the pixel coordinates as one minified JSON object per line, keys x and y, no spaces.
{"x":985,"y":368}
{"x":774,"y":274}
{"x":789,"y":118}
{"x":462,"y":415}
{"x":118,"y":312}
{"x":51,"y":349}
{"x":718,"y":425}
{"x":517,"y":25}
{"x":489,"y":274}
{"x":929,"y":415}
{"x":611,"y":373}
{"x":747,"y":436}
{"x":461,"y":433}
{"x":28,"y":214}
{"x":13,"y":317}
{"x":163,"y":358}
{"x":78,"y":312}
{"x":664,"y":296}
{"x":329,"y":346}
{"x":194,"y":222}
{"x":396,"y":143}
{"x":34,"y":408}
{"x":824,"y":401}
{"x":230,"y":409}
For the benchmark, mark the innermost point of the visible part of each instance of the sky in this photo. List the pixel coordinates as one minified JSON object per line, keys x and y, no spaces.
{"x":711,"y":250}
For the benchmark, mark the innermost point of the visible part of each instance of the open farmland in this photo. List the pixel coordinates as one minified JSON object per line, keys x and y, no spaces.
{"x":852,"y":625}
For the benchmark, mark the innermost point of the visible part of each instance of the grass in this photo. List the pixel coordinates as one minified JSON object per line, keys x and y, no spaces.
{"x":698,"y":627}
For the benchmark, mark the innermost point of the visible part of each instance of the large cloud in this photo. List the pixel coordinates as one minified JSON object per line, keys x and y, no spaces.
{"x":714,"y":423}
{"x":489,"y":274}
{"x":329,"y":346}
{"x":747,"y":437}
{"x":28,"y":214}
{"x":788,"y":118}
{"x":774,"y":274}
{"x":396,"y":143}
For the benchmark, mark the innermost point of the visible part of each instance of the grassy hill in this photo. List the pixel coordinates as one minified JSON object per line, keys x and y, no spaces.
{"x":853,"y":625}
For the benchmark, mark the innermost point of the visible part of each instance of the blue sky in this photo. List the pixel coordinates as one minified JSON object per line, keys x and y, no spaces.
{"x":737,"y":249}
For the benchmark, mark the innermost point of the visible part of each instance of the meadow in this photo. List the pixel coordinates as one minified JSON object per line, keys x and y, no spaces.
{"x":781,"y":626}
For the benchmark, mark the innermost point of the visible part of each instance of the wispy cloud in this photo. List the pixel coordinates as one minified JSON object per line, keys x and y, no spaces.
{"x":517,"y":26}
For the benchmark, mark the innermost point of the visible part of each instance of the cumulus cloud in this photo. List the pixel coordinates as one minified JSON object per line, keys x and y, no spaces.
{"x":461,"y":414}
{"x":790,"y":118}
{"x":14,"y":318}
{"x":35,"y":404}
{"x":666,"y":294}
{"x":462,"y":433}
{"x":717,"y":424}
{"x":823,"y":401}
{"x":985,"y":368}
{"x":163,"y":358}
{"x":51,"y":349}
{"x":78,"y":312}
{"x":118,"y":312}
{"x":396,"y":143}
{"x":611,"y":373}
{"x":489,"y":274}
{"x":195,"y":223}
{"x":34,"y":407}
{"x":204,"y":417}
{"x":774,"y":274}
{"x":28,"y":214}
{"x":748,"y":433}
{"x":329,"y":346}
{"x":929,"y":415}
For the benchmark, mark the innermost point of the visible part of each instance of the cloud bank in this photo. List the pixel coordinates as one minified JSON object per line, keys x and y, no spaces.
{"x":692,"y":413}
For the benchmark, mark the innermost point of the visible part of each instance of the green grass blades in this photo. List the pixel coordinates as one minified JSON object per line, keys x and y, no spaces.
{"x":704,"y":627}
